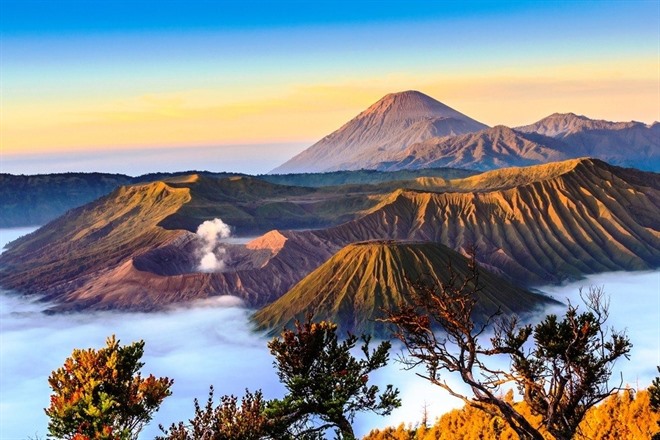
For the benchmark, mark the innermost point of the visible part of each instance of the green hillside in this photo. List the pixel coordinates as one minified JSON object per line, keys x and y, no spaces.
{"x":354,"y":286}
{"x":27,"y":200}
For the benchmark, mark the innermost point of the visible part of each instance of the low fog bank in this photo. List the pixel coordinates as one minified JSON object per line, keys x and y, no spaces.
{"x":635,"y":307}
{"x":212,"y":342}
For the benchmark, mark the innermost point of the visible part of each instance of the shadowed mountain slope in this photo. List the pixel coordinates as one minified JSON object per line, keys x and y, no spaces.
{"x":38,"y":199}
{"x":92,"y":238}
{"x":354,"y":286}
{"x":497,"y":147}
{"x":631,"y":144}
{"x":385,"y":128}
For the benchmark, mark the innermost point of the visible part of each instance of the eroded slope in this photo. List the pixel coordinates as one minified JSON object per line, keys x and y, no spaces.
{"x":356,"y":285}
{"x":575,"y":218}
{"x":535,"y":225}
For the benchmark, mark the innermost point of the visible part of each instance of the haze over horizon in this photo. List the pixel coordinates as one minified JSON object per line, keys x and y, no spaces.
{"x":79,"y":83}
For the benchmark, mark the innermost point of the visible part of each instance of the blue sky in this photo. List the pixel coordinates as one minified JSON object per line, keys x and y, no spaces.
{"x":154,"y":74}
{"x":41,"y":17}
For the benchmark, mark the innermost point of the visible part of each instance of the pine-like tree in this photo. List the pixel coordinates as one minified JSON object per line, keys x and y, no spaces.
{"x":326,"y":384}
{"x":101,"y":395}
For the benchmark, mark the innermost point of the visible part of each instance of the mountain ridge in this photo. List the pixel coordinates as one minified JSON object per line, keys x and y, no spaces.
{"x":557,"y":137}
{"x":385,"y":126}
{"x":495,"y":147}
{"x":540,"y":225}
{"x":559,"y":125}
{"x":27,"y":200}
{"x":410,"y":130}
{"x":589,"y":217}
{"x":354,"y":286}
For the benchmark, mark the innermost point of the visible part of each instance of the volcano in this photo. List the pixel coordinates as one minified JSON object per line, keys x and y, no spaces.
{"x":381,"y":131}
{"x":362,"y":280}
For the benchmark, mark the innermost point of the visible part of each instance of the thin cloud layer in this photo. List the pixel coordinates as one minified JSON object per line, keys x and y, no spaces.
{"x":197,"y":346}
{"x":213,"y":343}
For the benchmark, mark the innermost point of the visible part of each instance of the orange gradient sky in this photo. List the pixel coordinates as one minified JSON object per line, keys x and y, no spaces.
{"x":309,"y":112}
{"x":118,"y":87}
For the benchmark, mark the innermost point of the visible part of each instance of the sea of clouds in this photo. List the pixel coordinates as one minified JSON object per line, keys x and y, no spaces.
{"x":212,"y":342}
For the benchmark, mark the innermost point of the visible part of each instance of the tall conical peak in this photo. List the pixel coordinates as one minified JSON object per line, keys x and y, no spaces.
{"x":408,"y":95}
{"x":409,"y":104}
{"x":385,"y":128}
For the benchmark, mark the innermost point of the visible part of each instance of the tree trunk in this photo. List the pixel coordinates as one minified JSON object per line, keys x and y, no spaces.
{"x":561,"y":435}
{"x":346,"y":429}
{"x":518,"y":423}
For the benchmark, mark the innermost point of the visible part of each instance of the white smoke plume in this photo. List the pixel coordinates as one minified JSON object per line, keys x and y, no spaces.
{"x":210,"y":233}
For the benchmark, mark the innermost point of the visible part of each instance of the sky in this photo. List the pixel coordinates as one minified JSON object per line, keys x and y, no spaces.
{"x":258,"y":81}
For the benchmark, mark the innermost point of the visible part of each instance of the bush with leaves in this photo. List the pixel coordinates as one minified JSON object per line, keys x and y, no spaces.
{"x":101,"y":395}
{"x":326,"y":387}
{"x":654,"y":396}
{"x":325,"y":382}
{"x":227,"y":421}
{"x":561,"y":366}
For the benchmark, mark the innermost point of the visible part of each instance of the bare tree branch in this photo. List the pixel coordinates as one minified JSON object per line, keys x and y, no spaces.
{"x":560,"y":366}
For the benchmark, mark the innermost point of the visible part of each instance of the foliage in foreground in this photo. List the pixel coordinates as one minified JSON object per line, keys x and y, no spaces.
{"x":654,"y":397}
{"x":101,"y":395}
{"x":561,"y":366}
{"x":624,"y":416}
{"x":229,"y":420}
{"x":326,"y":386}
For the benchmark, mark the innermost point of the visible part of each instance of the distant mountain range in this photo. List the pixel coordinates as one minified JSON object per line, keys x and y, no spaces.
{"x":631,"y":144}
{"x":35,"y":200}
{"x":134,"y":248}
{"x":406,"y":132}
{"x":31,"y":200}
{"x":410,"y":130}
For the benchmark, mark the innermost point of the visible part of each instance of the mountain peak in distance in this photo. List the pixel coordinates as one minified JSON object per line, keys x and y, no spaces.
{"x":385,"y":128}
{"x":562,"y":125}
{"x":409,"y":105}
